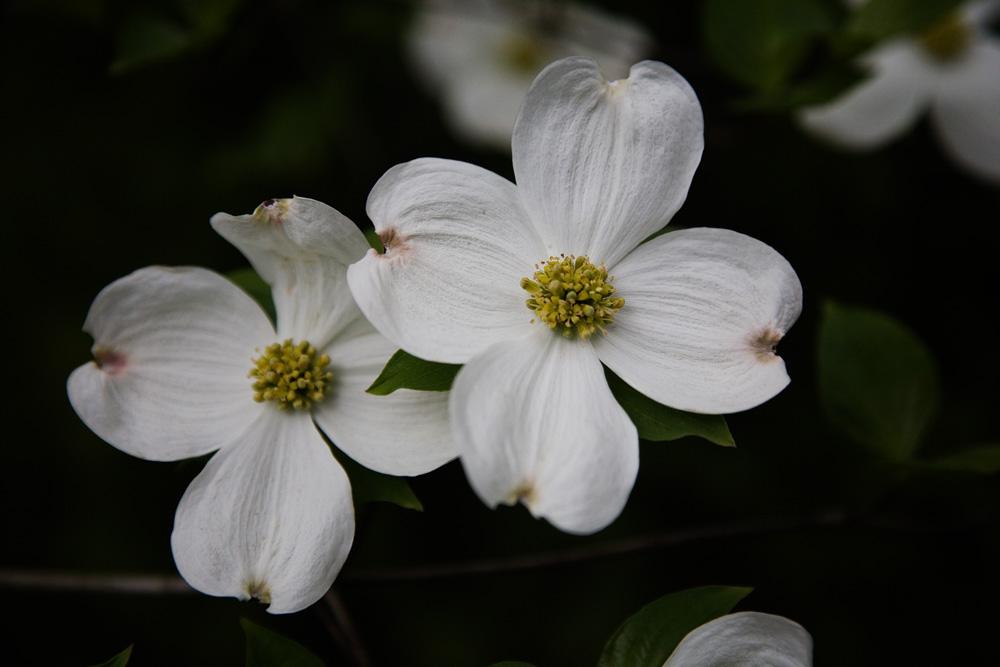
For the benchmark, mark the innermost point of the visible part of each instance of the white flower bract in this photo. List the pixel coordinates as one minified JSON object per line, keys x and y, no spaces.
{"x":960,"y":88}
{"x":744,"y":639}
{"x":271,"y":515}
{"x":482,"y":56}
{"x":600,"y":166}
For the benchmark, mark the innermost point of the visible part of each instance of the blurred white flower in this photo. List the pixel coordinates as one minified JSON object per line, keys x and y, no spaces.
{"x":952,"y":70}
{"x":515,"y":281}
{"x":745,"y":639}
{"x":271,"y":515}
{"x":482,"y":55}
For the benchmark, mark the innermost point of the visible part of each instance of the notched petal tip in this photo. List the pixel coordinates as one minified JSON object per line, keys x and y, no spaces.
{"x":524,"y":493}
{"x":112,"y":362}
{"x":394,"y":242}
{"x":258,"y":590}
{"x":764,"y":343}
{"x":272,"y":210}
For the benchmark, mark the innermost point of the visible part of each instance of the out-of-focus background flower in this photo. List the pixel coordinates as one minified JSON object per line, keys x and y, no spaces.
{"x":858,"y":502}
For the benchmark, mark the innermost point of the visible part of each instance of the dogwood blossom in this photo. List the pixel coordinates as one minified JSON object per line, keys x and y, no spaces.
{"x":745,"y":639}
{"x":186,"y":363}
{"x":483,"y":55}
{"x":533,"y":286}
{"x":951,"y":70}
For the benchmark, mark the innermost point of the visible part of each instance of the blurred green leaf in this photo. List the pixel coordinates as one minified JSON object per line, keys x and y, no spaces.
{"x":658,"y":422}
{"x":404,"y":371}
{"x":266,"y":648}
{"x":982,"y":459}
{"x":760,"y":43}
{"x":819,"y":88}
{"x":250,"y":282}
{"x":145,"y":39}
{"x":368,"y":486}
{"x":119,"y":660}
{"x":878,"y":19}
{"x":291,"y":134}
{"x":210,"y":16}
{"x":877,"y":380}
{"x":649,"y":636}
{"x":511,"y":663}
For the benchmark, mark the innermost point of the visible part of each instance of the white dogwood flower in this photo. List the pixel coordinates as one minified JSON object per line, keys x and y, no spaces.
{"x":745,"y":639}
{"x":482,"y":56}
{"x":951,"y":70}
{"x":533,"y":286}
{"x":187,"y":363}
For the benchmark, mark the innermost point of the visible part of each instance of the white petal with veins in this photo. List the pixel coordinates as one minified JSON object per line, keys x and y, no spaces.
{"x":301,"y":247}
{"x":703,"y":310}
{"x":535,"y":422}
{"x":173,"y":349}
{"x":270,"y":517}
{"x":458,"y":243}
{"x":602,"y":165}
{"x":745,"y":639}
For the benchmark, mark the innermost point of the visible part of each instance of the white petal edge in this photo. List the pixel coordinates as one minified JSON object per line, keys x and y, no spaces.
{"x":744,"y":639}
{"x":301,"y":247}
{"x":404,"y":433}
{"x":602,"y":165}
{"x":173,"y":347}
{"x":703,"y":307}
{"x":458,"y":244}
{"x":883,"y":107}
{"x":535,"y":422}
{"x":270,"y":517}
{"x":966,"y":110}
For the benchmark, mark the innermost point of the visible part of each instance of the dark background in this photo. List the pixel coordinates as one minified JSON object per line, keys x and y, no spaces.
{"x":105,"y":171}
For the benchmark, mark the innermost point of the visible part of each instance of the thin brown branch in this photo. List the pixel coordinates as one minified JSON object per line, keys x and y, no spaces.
{"x":164,"y":584}
{"x":133,"y":584}
{"x":591,"y":552}
{"x":349,"y":632}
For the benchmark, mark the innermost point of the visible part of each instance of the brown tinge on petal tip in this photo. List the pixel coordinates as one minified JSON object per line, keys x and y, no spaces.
{"x":392,"y":241}
{"x":764,"y":342}
{"x":258,"y":590}
{"x":110,"y":361}
{"x":524,"y":492}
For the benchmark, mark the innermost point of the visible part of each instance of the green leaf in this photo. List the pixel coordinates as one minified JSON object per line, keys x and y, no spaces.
{"x":820,"y":87}
{"x":251,"y":283}
{"x":404,"y":371}
{"x":982,"y":459}
{"x":649,"y":636}
{"x":368,"y":486}
{"x":761,"y":43}
{"x":373,"y":239}
{"x":269,"y":649}
{"x":878,"y":19}
{"x":657,"y":422}
{"x":511,"y":663}
{"x":119,"y":660}
{"x":145,"y":39}
{"x":878,"y":382}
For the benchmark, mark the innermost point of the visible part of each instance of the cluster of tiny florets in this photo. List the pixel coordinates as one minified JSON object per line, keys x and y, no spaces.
{"x":573,"y":296}
{"x":291,"y":375}
{"x":948,"y":38}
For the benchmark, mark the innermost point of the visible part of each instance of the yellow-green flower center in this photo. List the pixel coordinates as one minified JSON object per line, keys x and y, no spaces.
{"x":523,"y":53}
{"x":291,"y":375}
{"x":948,"y":38}
{"x":573,"y":296}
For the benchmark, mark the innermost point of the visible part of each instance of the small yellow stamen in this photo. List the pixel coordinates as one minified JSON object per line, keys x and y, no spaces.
{"x":291,"y":375}
{"x":573,"y":296}
{"x":948,"y":38}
